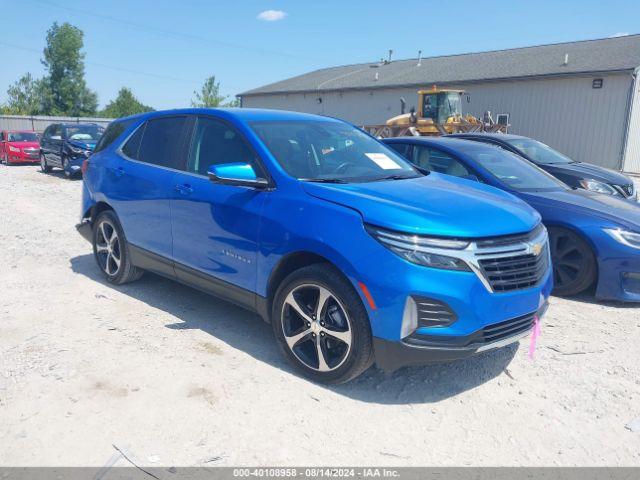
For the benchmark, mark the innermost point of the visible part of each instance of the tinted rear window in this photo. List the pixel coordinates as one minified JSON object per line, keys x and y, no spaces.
{"x":112,"y":132}
{"x":161,"y":142}
{"x":132,"y":148}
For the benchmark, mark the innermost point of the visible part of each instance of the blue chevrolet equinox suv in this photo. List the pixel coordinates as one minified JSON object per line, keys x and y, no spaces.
{"x":350,"y":252}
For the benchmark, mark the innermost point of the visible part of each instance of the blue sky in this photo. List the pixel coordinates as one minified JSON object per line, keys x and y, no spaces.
{"x":163,"y":50}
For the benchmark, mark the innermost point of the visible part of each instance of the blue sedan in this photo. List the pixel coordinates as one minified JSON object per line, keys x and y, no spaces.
{"x":595,"y":238}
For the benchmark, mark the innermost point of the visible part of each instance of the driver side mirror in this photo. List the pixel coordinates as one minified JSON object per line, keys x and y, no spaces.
{"x":238,"y":174}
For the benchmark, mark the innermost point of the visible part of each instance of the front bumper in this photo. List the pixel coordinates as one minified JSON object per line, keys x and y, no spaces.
{"x":22,"y":158}
{"x":424,"y":349}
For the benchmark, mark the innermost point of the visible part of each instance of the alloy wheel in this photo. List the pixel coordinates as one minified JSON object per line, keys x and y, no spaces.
{"x":568,"y":259}
{"x":65,"y":167}
{"x":108,"y":248}
{"x":43,"y":163}
{"x":316,"y":327}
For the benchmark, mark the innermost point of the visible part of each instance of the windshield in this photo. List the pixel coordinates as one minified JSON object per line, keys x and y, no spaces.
{"x":91,"y":133}
{"x":514,"y":171}
{"x":440,"y":106}
{"x":22,"y":137}
{"x":538,"y":151}
{"x":330,"y":151}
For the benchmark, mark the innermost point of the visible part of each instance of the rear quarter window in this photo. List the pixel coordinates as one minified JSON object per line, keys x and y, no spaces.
{"x":111,"y":134}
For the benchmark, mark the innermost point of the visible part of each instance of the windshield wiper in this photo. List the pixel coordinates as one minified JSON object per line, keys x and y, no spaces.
{"x":395,"y":177}
{"x":324,"y":180}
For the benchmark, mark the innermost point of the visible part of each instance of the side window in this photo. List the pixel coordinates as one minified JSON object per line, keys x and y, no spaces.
{"x":132,"y":148}
{"x":215,"y":142}
{"x":55,"y":132}
{"x":403,"y":149}
{"x":161,"y":142}
{"x":1,"y":136}
{"x":438,"y":161}
{"x":113,"y":131}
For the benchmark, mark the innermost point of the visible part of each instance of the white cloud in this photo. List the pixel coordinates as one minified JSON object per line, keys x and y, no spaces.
{"x":271,"y":15}
{"x":619,"y":34}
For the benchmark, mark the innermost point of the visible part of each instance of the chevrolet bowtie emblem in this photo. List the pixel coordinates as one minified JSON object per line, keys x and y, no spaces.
{"x":536,"y":249}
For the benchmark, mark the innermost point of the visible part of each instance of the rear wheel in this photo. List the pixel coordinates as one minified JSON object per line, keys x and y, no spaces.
{"x":322,"y":326}
{"x":111,"y":251}
{"x":574,"y":264}
{"x":44,"y":167}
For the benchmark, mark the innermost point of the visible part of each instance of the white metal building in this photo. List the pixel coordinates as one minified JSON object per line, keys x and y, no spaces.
{"x":582,"y":98}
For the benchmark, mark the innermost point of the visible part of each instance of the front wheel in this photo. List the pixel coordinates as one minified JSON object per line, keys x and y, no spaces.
{"x":574,"y":264}
{"x":322,"y":326}
{"x":5,"y":160}
{"x":44,"y":167}
{"x":65,"y":168}
{"x":111,"y":251}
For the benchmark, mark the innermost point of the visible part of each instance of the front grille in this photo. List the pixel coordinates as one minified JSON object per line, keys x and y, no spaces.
{"x":516,"y":272}
{"x":31,"y":152}
{"x":508,"y":328}
{"x":433,"y":313}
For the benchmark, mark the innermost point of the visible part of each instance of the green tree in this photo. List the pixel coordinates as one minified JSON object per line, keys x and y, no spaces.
{"x":209,"y":96}
{"x":124,"y":104}
{"x":25,"y":97}
{"x":65,"y":91}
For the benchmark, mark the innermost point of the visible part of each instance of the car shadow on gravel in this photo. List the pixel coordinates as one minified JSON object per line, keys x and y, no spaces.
{"x":247,"y":332}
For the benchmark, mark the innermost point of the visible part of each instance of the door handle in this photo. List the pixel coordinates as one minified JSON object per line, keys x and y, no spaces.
{"x":184,"y":189}
{"x":119,"y":171}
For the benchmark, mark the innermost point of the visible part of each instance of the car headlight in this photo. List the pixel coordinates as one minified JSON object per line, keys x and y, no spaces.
{"x":596,"y":186}
{"x":422,"y":250}
{"x":76,"y":150}
{"x":630,"y":239}
{"x":14,"y":149}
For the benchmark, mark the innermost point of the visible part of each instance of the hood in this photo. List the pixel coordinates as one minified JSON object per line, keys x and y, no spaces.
{"x":606,"y":207}
{"x":85,"y":144}
{"x":432,"y":205}
{"x":22,"y":145}
{"x":586,"y":170}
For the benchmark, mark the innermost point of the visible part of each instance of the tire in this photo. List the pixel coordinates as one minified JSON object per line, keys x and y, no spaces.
{"x":5,"y":160}
{"x":65,"y":168}
{"x":574,"y":263}
{"x":311,"y":333}
{"x":112,"y":253}
{"x":44,"y":167}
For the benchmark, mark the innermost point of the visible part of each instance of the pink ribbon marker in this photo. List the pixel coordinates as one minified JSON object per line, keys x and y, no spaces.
{"x":535,"y":333}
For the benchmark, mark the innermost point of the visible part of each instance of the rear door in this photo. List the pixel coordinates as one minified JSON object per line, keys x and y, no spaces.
{"x":215,"y":227}
{"x":140,"y":185}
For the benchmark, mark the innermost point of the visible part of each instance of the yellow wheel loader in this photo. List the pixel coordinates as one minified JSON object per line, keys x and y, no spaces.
{"x":439,"y":113}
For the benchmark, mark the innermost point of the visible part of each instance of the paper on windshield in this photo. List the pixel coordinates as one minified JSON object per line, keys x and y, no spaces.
{"x":383,"y":161}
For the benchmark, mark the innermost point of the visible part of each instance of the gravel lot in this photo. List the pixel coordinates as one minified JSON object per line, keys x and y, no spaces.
{"x":175,"y":377}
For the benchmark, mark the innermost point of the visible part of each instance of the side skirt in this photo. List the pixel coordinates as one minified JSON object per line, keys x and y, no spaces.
{"x":200,"y":281}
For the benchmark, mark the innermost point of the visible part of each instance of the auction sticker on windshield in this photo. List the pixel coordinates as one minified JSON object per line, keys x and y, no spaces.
{"x":383,"y":161}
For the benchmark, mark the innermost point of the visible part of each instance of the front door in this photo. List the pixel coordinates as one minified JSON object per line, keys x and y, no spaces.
{"x":215,"y":227}
{"x":51,"y":145}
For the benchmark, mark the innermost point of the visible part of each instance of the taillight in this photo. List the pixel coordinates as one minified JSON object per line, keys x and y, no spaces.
{"x":85,"y":166}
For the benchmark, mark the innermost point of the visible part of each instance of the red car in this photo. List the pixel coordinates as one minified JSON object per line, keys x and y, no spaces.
{"x":19,"y":147}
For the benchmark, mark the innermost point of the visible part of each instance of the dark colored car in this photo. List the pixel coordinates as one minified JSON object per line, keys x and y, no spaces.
{"x":575,"y":174}
{"x":19,"y":146}
{"x":67,"y":145}
{"x":595,"y":238}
